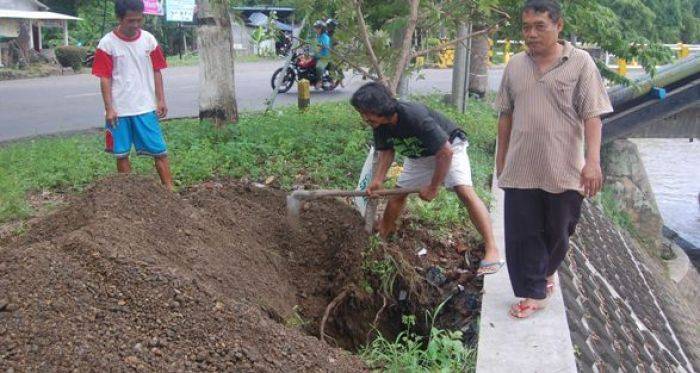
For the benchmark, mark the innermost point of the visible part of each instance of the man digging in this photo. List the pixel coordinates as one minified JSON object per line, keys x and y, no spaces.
{"x":437,"y":156}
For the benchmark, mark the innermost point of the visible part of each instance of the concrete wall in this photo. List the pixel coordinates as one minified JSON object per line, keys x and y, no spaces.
{"x":626,"y":178}
{"x":624,"y":313}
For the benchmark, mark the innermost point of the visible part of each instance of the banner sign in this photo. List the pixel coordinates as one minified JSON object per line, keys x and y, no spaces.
{"x":180,"y":10}
{"x":153,"y":7}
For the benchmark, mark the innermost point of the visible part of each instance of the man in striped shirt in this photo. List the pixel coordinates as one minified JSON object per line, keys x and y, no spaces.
{"x":550,"y":101}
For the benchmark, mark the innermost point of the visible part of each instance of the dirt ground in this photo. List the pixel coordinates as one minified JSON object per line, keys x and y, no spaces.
{"x":127,"y":275}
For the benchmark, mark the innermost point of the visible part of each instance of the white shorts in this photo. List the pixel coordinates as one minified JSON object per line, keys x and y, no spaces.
{"x":418,"y":172}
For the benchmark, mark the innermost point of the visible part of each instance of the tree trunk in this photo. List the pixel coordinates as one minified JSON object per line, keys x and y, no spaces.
{"x":459,"y":66}
{"x":399,"y":83}
{"x":402,"y":88}
{"x":479,"y":78}
{"x":217,"y":94}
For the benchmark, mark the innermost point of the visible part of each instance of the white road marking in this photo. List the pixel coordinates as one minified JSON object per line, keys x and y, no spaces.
{"x":83,"y":95}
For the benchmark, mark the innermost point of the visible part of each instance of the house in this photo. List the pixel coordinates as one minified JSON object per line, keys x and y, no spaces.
{"x":249,"y":18}
{"x":30,"y":16}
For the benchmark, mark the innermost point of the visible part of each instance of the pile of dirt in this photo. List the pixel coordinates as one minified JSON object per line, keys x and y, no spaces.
{"x":213,"y":278}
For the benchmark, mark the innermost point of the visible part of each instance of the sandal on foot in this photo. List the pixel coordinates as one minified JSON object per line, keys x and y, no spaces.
{"x":489,"y":268}
{"x":522,"y":311}
{"x":550,"y":289}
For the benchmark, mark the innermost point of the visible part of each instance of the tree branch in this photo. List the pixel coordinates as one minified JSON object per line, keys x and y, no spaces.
{"x":355,"y":66}
{"x":442,"y":46}
{"x":364,"y":33}
{"x":406,"y":46}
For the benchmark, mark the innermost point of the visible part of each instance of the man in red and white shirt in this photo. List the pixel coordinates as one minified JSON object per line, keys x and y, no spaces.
{"x":128,"y":61}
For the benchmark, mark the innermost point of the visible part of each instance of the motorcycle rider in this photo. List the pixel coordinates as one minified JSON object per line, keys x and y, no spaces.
{"x":334,"y":67}
{"x":322,"y":51}
{"x":331,"y":24}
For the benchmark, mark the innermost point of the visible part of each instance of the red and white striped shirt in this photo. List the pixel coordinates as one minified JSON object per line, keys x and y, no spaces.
{"x":130,"y":62}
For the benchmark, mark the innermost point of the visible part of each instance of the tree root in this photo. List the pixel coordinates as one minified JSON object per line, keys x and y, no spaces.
{"x":333,"y":304}
{"x":385,"y":303}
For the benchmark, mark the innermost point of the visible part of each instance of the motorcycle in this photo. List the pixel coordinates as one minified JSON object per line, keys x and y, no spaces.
{"x":303,"y":67}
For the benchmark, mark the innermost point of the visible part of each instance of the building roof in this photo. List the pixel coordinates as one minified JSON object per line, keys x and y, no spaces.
{"x":24,"y":14}
{"x":263,"y":8}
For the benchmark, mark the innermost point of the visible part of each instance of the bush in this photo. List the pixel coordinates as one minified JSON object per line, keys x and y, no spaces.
{"x":71,"y":56}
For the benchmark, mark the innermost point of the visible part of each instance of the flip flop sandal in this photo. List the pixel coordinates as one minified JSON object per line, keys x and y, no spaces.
{"x":521,"y":311}
{"x":550,"y":289}
{"x":494,"y":267}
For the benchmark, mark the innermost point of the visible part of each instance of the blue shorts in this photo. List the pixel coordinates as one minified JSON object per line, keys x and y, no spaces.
{"x":141,"y":131}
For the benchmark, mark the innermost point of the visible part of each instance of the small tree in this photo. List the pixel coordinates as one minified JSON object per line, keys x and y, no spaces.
{"x":370,"y":42}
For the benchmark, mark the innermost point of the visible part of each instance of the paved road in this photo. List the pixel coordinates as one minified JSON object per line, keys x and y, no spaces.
{"x":70,"y":103}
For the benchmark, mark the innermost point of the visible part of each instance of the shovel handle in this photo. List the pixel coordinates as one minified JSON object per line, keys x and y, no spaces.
{"x":312,"y":194}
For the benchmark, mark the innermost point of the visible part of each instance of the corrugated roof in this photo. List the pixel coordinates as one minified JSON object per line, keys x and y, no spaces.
{"x":24,"y":14}
{"x":263,"y":8}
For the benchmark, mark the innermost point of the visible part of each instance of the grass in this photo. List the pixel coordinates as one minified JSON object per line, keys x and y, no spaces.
{"x":441,"y":351}
{"x":324,"y":146}
{"x":192,"y":59}
{"x":612,"y":208}
{"x":35,"y":70}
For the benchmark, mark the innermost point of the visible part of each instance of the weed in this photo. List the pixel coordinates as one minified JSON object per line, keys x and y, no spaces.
{"x":440,"y":351}
{"x":295,"y":320}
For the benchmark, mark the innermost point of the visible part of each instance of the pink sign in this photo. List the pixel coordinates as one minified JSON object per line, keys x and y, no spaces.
{"x":154,"y":7}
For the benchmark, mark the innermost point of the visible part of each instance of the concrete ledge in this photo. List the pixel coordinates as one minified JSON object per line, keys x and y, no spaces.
{"x":541,"y":343}
{"x":679,"y":266}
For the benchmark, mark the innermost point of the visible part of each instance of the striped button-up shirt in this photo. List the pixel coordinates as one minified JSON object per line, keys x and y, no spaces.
{"x":546,"y":148}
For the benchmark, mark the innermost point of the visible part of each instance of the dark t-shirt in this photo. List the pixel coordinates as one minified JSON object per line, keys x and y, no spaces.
{"x":420,"y":131}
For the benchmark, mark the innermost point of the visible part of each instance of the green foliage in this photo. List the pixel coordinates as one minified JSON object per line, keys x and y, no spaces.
{"x":614,"y":211}
{"x":621,"y":27}
{"x":70,"y":56}
{"x":295,"y":320}
{"x":97,"y":20}
{"x":376,"y":265}
{"x":441,"y":351}
{"x":325,"y":145}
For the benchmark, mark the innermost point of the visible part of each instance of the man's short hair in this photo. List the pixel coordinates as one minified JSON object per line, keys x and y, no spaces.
{"x":550,"y":7}
{"x":375,"y":98}
{"x":123,"y":6}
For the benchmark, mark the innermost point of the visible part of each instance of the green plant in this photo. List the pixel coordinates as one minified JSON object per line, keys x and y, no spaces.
{"x":295,"y":320}
{"x":383,"y":269}
{"x":440,"y":351}
{"x":612,"y":208}
{"x":71,"y":56}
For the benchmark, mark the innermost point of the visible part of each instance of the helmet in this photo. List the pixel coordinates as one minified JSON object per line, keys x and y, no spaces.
{"x":332,"y":22}
{"x":320,"y":23}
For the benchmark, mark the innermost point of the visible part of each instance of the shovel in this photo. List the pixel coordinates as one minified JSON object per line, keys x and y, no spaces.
{"x":295,"y":199}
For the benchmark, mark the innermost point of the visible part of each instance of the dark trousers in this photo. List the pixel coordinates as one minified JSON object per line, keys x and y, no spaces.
{"x":538,"y":225}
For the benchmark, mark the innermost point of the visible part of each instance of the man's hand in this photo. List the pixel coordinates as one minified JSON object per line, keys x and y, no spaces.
{"x":374,"y":186}
{"x":162,"y":109}
{"x":428,"y":193}
{"x":591,"y":178}
{"x":111,"y":117}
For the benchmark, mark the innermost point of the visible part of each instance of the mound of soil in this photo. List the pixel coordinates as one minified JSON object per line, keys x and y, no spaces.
{"x":128,"y":275}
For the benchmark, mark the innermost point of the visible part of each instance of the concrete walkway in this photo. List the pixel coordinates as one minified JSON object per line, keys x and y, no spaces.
{"x":539,"y":344}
